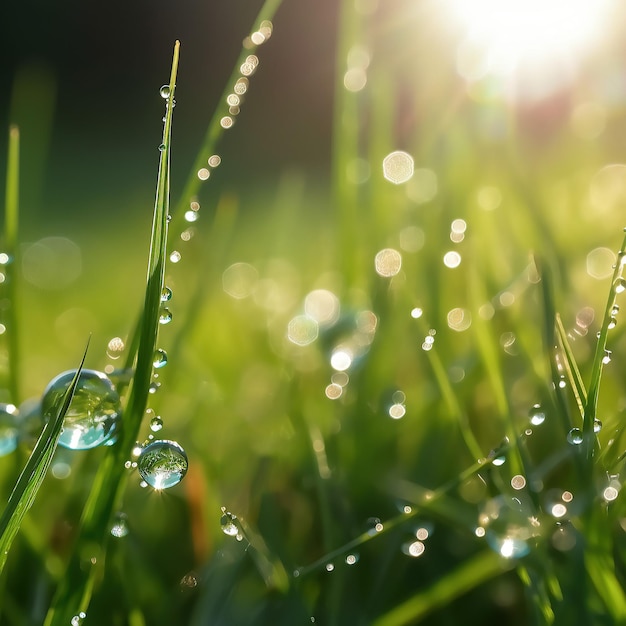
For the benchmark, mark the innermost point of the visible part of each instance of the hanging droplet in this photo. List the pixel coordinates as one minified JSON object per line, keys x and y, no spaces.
{"x":615,"y":310}
{"x":160,"y":359}
{"x":166,"y":294}
{"x":9,"y":431}
{"x":597,"y":426}
{"x":77,"y":620}
{"x":575,"y":436}
{"x":619,"y":285}
{"x":120,"y":525}
{"x":154,"y":387}
{"x":229,"y":524}
{"x":537,"y":415}
{"x":156,"y":423}
{"x":165,"y":317}
{"x":162,"y":148}
{"x":94,"y":413}
{"x":606,"y":359}
{"x":612,"y":323}
{"x":165,"y":92}
{"x":163,"y":464}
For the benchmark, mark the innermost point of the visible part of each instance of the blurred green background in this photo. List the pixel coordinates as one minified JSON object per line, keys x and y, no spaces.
{"x":300,"y":198}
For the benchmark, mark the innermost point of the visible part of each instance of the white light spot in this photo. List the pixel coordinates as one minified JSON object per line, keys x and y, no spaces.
{"x":452,"y":259}
{"x":302,"y":330}
{"x":388,"y":262}
{"x":398,"y":167}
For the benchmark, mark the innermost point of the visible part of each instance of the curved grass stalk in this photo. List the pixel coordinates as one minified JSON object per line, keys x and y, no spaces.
{"x":29,"y":481}
{"x":74,"y":594}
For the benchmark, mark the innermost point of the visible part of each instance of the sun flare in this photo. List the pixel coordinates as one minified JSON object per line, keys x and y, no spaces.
{"x":505,"y":36}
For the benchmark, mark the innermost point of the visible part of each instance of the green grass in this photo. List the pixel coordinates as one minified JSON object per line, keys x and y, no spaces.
{"x":339,"y":512}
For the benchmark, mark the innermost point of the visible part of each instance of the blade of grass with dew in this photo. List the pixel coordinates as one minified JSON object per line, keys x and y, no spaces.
{"x":481,"y":568}
{"x":74,"y":594}
{"x":571,"y":367}
{"x":10,"y":262}
{"x":589,"y":436}
{"x":29,"y":481}
{"x":215,"y":129}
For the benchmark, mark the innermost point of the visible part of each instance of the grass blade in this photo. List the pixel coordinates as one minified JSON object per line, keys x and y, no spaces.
{"x":571,"y":367}
{"x":11,"y":221}
{"x":473,"y":572}
{"x":74,"y":593}
{"x":29,"y":481}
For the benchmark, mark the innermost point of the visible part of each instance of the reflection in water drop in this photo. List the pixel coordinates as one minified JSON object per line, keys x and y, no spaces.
{"x":537,"y":415}
{"x":163,"y":464}
{"x":120,"y":525}
{"x":508,"y":526}
{"x":575,"y":436}
{"x":164,"y":92}
{"x":229,"y":523}
{"x":160,"y":358}
{"x":165,"y":316}
{"x":94,"y":413}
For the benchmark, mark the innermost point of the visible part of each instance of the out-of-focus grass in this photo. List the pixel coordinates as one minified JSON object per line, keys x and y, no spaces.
{"x":312,"y":477}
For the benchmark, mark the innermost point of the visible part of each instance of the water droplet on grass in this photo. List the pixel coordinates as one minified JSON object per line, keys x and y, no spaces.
{"x":165,"y":317}
{"x":160,"y":358}
{"x":352,"y":559}
{"x":507,"y":526}
{"x":214,"y":160}
{"x":166,"y":294}
{"x":537,"y":415}
{"x":94,"y":413}
{"x":575,"y":436}
{"x":597,"y":426}
{"x":163,"y":464}
{"x":77,"y":620}
{"x":120,"y":525}
{"x":619,"y":285}
{"x":229,"y":524}
{"x":8,"y":428}
{"x":162,"y":147}
{"x":156,"y":423}
{"x":612,"y":323}
{"x":165,"y":92}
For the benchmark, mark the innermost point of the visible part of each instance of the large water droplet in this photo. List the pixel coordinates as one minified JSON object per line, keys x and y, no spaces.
{"x":94,"y":413}
{"x":537,"y":415}
{"x":160,"y":358}
{"x":575,"y":436}
{"x":8,"y":428}
{"x":508,"y":527}
{"x":163,"y":464}
{"x":229,"y":524}
{"x":165,"y":92}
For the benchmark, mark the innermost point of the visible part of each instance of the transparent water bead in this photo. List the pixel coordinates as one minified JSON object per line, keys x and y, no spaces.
{"x":508,"y":528}
{"x":160,"y":358}
{"x":9,"y":430}
{"x":94,"y":414}
{"x":619,"y":285}
{"x":163,"y":463}
{"x":119,"y":527}
{"x":165,"y":317}
{"x":229,"y":524}
{"x":166,"y":294}
{"x":537,"y":415}
{"x":164,"y":92}
{"x":575,"y":436}
{"x":156,"y":423}
{"x":77,"y":620}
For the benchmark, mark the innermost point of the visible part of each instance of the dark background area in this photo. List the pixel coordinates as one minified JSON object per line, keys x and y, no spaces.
{"x":82,"y":80}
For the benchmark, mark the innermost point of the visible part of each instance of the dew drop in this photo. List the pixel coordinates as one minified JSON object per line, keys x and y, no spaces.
{"x":229,"y":524}
{"x":120,"y":525}
{"x":597,"y":426}
{"x":160,"y":359}
{"x":163,"y":464}
{"x":507,"y":527}
{"x":575,"y":436}
{"x":175,"y":256}
{"x":9,"y":416}
{"x":214,"y":160}
{"x":165,"y":317}
{"x":165,"y":92}
{"x":612,"y":323}
{"x":619,"y":285}
{"x":166,"y":294}
{"x":94,"y":413}
{"x":77,"y":620}
{"x":537,"y":415}
{"x":156,"y":423}
{"x":154,"y":387}
{"x":352,"y":559}
{"x":330,"y":567}
{"x":162,"y":147}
